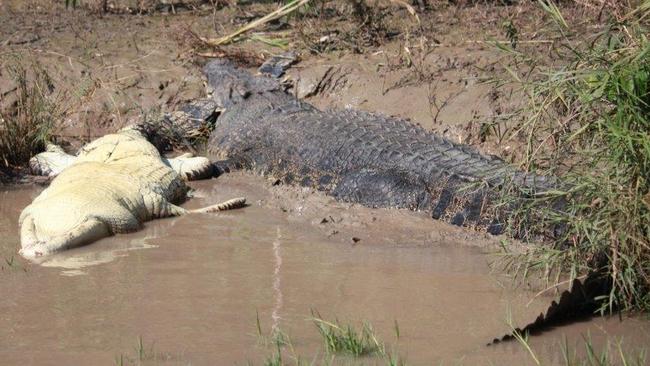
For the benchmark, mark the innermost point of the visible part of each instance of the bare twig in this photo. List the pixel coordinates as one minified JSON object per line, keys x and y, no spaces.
{"x":282,"y":11}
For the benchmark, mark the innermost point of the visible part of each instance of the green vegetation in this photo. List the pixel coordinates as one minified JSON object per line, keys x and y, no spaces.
{"x":588,"y":120}
{"x":10,"y":263}
{"x":141,"y":354}
{"x":608,"y":355}
{"x":346,"y":339}
{"x":584,"y":353}
{"x":276,"y":358}
{"x":341,"y":341}
{"x":30,"y":119}
{"x":71,"y":3}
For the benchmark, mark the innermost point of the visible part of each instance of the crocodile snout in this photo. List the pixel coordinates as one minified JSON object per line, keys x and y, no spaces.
{"x":37,"y":242}
{"x":31,"y":251}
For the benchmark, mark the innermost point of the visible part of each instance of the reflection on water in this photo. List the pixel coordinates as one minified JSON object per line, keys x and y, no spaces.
{"x":74,"y":261}
{"x":277,"y":290}
{"x":196,"y":292}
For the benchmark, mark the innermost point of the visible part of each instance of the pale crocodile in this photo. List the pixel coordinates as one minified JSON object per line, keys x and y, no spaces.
{"x":112,"y":186}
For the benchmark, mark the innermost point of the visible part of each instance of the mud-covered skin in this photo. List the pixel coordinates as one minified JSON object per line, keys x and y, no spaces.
{"x":355,"y":156}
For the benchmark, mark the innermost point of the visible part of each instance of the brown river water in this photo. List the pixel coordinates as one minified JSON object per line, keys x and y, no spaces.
{"x":190,"y":288}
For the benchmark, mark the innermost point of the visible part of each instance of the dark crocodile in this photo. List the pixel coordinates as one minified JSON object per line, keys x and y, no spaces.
{"x":374,"y":160}
{"x":360,"y":157}
{"x":355,"y":156}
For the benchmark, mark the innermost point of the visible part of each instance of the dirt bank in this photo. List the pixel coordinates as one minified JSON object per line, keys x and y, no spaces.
{"x":112,"y":67}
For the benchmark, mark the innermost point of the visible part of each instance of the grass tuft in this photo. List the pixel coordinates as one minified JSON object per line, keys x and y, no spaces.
{"x":345,"y":339}
{"x":276,"y":358}
{"x":589,"y":122}
{"x":141,"y":354}
{"x":607,"y":355}
{"x":339,"y":340}
{"x":31,"y":116}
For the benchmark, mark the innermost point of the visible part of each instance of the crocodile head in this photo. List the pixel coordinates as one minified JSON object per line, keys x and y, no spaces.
{"x":50,"y":162}
{"x":229,"y":84}
{"x":41,"y":236}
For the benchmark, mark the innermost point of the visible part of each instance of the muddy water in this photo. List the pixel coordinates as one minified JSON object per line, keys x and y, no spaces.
{"x":190,"y":287}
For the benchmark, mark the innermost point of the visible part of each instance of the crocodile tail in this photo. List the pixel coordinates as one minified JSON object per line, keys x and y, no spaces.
{"x":227,"y":205}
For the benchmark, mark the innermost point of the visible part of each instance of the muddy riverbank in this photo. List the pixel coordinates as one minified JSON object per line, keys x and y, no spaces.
{"x":191,"y":287}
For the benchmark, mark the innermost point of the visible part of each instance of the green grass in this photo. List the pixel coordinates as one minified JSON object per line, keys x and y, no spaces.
{"x":71,"y":3}
{"x":140,"y":354}
{"x":584,"y":353}
{"x":28,"y":122}
{"x":276,"y":358}
{"x":10,"y":261}
{"x":393,"y":359}
{"x":342,"y":342}
{"x":346,"y":339}
{"x":277,"y":42}
{"x":588,"y":121}
{"x":609,"y":354}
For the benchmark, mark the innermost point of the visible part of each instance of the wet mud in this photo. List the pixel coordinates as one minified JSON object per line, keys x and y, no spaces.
{"x":190,"y":287}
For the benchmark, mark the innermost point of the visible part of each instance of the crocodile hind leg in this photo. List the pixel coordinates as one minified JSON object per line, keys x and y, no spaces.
{"x":462,"y":204}
{"x":383,"y":188}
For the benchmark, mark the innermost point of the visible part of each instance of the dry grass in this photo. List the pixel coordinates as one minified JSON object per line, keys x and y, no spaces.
{"x":29,"y":119}
{"x":588,"y":119}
